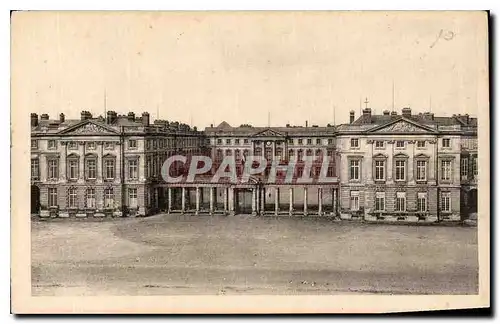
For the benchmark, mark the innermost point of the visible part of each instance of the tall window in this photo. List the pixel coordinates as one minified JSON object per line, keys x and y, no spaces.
{"x":91,"y":168}
{"x":72,"y":198}
{"x":72,"y":169}
{"x":330,"y":172}
{"x":446,"y":201}
{"x":108,"y":198}
{"x":380,"y":201}
{"x":354,"y":200}
{"x":474,"y":166}
{"x":133,"y":169}
{"x":400,"y":201}
{"x":446,"y":142}
{"x":354,"y":142}
{"x":354,"y":170}
{"x":464,"y":167}
{"x":90,"y":194}
{"x":53,"y":165}
{"x":421,"y":170}
{"x":400,"y":170}
{"x":132,"y":197}
{"x":445,"y":170}
{"x":52,"y":197}
{"x":35,"y":169}
{"x":132,"y":144}
{"x":379,"y":170}
{"x":109,"y":168}
{"x":422,"y":201}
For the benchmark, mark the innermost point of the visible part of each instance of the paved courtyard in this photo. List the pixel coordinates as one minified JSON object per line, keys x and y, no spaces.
{"x":174,"y":254}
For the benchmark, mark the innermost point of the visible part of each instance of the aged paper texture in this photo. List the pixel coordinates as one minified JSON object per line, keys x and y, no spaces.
{"x":249,"y":162}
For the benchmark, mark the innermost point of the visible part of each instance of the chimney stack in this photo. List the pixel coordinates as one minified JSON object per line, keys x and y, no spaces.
{"x":145,"y":119}
{"x":44,"y":117}
{"x":394,"y":113}
{"x":367,"y":112}
{"x":406,"y":112}
{"x":34,"y":120}
{"x":306,"y":123}
{"x":84,"y":115}
{"x":386,"y":112}
{"x":351,"y":117}
{"x":61,"y":118}
{"x":110,"y":117}
{"x":131,"y":116}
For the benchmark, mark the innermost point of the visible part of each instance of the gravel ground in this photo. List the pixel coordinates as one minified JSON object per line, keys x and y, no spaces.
{"x":179,"y":255}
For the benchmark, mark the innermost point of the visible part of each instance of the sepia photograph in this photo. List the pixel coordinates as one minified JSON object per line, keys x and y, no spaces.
{"x":250,"y":162}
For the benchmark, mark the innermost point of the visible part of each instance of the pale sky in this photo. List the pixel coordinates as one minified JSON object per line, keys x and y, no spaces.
{"x":202,"y":68}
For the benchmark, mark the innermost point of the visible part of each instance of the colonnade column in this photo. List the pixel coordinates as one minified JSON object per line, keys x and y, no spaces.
{"x":276,"y":201}
{"x":262,"y":200}
{"x":335,"y":209}
{"x":291,"y":202}
{"x":254,"y":201}
{"x":169,"y":207}
{"x":211,"y":200}
{"x":305,"y":201}
{"x":183,"y":207}
{"x":197,"y":201}
{"x":225,"y":201}
{"x":231,"y":201}
{"x":320,"y":201}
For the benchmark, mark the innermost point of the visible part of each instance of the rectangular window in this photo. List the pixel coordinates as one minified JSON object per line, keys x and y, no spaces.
{"x":400,"y":144}
{"x":109,"y":145}
{"x":90,"y":198}
{"x":464,"y":167}
{"x":474,"y":166}
{"x":51,"y":145}
{"x":446,"y":201}
{"x":35,"y":169}
{"x":446,"y":170}
{"x":309,"y":141}
{"x":318,"y":141}
{"x":34,"y":144}
{"x":91,"y":169}
{"x":400,"y":201}
{"x":52,"y":197}
{"x":330,"y":141}
{"x":72,"y":201}
{"x":421,"y":170}
{"x":329,"y":172}
{"x":237,"y":141}
{"x":219,"y":141}
{"x":245,"y":141}
{"x":73,"y":145}
{"x":354,"y":169}
{"x":354,"y":142}
{"x":53,"y":166}
{"x":420,"y":144}
{"x":132,"y":197}
{"x":380,"y":201}
{"x":354,"y":200}
{"x":446,"y":142}
{"x":300,"y":141}
{"x":379,"y":144}
{"x":91,"y":145}
{"x":108,"y":198}
{"x":422,"y":201}
{"x":228,"y":141}
{"x":290,"y":141}
{"x":154,"y":144}
{"x":132,"y":144}
{"x":400,"y":170}
{"x":133,"y":169}
{"x":109,"y":168}
{"x":379,"y":170}
{"x":72,"y":169}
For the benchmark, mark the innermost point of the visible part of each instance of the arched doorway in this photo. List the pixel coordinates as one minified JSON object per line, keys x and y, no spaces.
{"x":35,"y":199}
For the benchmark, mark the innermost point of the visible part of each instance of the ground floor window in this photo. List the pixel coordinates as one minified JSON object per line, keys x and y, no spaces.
{"x":446,"y":201}
{"x":422,"y":202}
{"x":90,"y":194}
{"x":380,"y":201}
{"x":354,"y":200}
{"x":72,"y":198}
{"x":108,"y":198}
{"x":132,"y":197}
{"x":52,"y":197}
{"x":401,"y":201}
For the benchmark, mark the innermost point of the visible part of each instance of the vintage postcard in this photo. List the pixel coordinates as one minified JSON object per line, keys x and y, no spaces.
{"x":249,"y":162}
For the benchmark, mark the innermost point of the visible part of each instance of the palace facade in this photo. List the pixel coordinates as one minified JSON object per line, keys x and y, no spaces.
{"x":392,"y":166}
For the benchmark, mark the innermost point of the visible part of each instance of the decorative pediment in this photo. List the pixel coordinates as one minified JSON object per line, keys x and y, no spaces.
{"x":89,"y":127}
{"x":402,"y":126}
{"x":268,"y":133}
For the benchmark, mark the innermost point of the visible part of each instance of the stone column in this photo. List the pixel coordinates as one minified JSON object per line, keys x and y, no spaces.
{"x":334,"y":199}
{"x":262,"y":200}
{"x":183,"y":208}
{"x":211,"y":200}
{"x":197,"y":200}
{"x":62,"y":170}
{"x":231,"y":201}
{"x":169,"y":200}
{"x":305,"y":201}
{"x":225,"y":201}
{"x":81,"y":167}
{"x":276,"y":200}
{"x":274,"y":149}
{"x":254,"y":201}
{"x":320,"y":201}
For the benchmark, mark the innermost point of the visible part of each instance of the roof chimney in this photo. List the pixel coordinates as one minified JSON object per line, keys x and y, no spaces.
{"x":145,"y":119}
{"x":406,"y":112}
{"x":386,"y":112}
{"x":306,"y":123}
{"x":394,"y":113}
{"x":61,"y":118}
{"x":351,"y":116}
{"x":34,"y":120}
{"x":110,"y":117}
{"x":131,"y":116}
{"x":44,"y":117}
